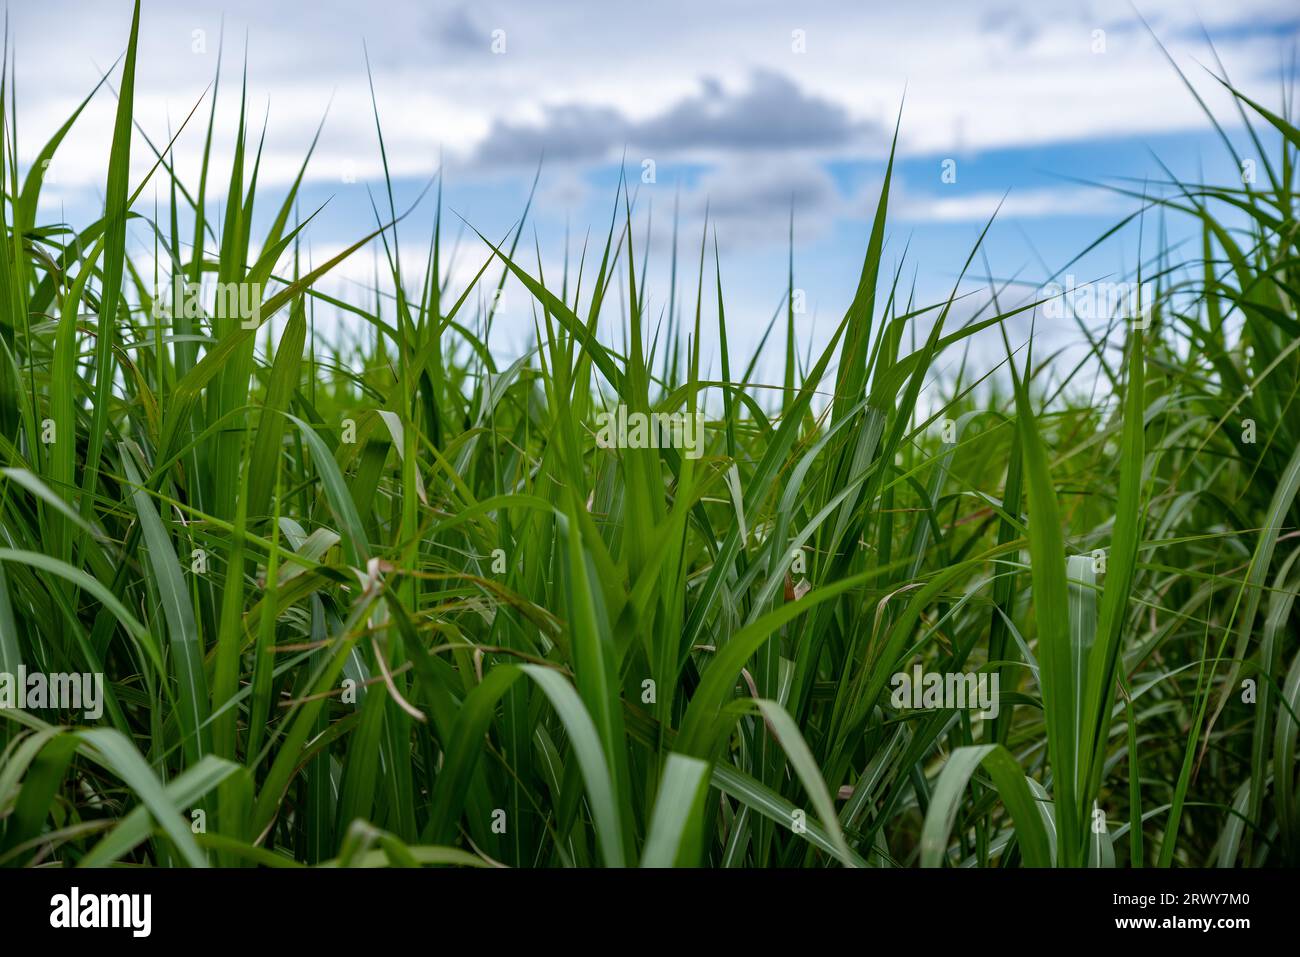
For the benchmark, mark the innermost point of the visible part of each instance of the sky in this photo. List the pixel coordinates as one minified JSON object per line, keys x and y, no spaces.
{"x":747,"y":109}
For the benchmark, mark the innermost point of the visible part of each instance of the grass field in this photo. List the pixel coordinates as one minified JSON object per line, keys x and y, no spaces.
{"x":403,"y":603}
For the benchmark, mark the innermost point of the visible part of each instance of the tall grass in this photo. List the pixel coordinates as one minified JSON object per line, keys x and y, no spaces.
{"x":409,"y":610}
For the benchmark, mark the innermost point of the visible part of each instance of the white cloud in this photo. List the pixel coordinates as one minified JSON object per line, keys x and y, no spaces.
{"x":978,"y":75}
{"x":979,"y":206}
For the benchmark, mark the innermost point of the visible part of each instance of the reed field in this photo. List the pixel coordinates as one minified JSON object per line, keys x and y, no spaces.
{"x":399,"y":600}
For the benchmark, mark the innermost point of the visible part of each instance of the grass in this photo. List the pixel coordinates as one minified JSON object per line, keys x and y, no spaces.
{"x":394,"y":605}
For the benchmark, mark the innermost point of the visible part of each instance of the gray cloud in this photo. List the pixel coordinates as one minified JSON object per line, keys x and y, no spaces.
{"x":748,"y":200}
{"x":571,"y":132}
{"x":458,"y":30}
{"x":740,"y":191}
{"x":771,"y":114}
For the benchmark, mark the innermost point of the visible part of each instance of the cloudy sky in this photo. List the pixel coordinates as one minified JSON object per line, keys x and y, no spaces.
{"x":747,"y":107}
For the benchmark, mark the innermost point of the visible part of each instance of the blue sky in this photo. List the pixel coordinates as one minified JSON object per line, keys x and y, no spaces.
{"x":743,"y":106}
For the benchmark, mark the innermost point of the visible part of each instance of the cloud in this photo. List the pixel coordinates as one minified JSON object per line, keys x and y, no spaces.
{"x":1022,"y":204}
{"x":746,"y":201}
{"x":569,"y":133}
{"x":459,"y":30}
{"x":1002,"y":74}
{"x":1009,"y":22}
{"x":751,"y":201}
{"x":771,"y":114}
